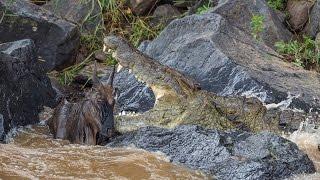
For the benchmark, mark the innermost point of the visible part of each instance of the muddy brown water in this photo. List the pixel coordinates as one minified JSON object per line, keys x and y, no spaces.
{"x":33,"y":154}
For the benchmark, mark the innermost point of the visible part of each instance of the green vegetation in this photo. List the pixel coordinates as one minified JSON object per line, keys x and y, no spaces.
{"x":304,"y":53}
{"x":67,"y":75}
{"x":257,"y":22}
{"x":110,"y":5}
{"x":142,"y":31}
{"x":119,"y":20}
{"x":205,"y":8}
{"x":277,"y":4}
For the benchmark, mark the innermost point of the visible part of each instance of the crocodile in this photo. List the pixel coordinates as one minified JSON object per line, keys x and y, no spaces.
{"x":180,"y":100}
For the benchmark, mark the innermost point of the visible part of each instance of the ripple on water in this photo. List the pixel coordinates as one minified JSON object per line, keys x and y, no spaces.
{"x":34,"y":154}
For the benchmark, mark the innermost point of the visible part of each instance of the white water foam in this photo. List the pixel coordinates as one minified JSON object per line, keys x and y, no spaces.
{"x":307,"y":137}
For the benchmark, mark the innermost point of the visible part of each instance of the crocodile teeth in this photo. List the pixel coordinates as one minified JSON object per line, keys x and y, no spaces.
{"x":119,"y":68}
{"x":104,"y":48}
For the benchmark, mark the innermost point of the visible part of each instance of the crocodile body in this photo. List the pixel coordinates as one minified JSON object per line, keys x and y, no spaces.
{"x":179,"y":100}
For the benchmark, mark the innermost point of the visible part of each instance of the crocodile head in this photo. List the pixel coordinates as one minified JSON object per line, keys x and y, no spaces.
{"x":179,"y":100}
{"x":115,"y":44}
{"x":163,"y":80}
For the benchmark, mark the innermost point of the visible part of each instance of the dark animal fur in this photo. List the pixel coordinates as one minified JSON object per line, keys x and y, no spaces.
{"x":89,"y":121}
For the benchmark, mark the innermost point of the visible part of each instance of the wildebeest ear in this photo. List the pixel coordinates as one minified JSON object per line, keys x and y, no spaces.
{"x":95,"y":79}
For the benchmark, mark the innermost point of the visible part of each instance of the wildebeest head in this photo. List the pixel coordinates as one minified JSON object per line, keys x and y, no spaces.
{"x":106,"y":93}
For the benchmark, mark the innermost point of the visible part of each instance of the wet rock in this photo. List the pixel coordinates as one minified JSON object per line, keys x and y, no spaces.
{"x":87,"y":14}
{"x":225,"y":155}
{"x":56,"y":40}
{"x":134,"y":95}
{"x":313,"y":26}
{"x":291,"y":120}
{"x":239,"y":14}
{"x":226,"y":60}
{"x":141,"y":7}
{"x":298,"y":13}
{"x":1,"y":128}
{"x":24,"y":87}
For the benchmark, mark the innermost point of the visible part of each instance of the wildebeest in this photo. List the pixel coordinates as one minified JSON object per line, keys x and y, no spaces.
{"x":89,"y":121}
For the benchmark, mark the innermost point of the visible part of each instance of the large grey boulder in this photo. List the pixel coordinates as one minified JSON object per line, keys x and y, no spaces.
{"x":226,"y":60}
{"x":313,"y":26}
{"x":225,"y":155}
{"x":24,"y":87}
{"x":87,"y":14}
{"x":56,"y":40}
{"x":298,"y":12}
{"x":239,"y":13}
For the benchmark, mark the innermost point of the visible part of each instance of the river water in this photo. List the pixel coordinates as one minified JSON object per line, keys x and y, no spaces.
{"x":308,"y":140}
{"x":33,"y":154}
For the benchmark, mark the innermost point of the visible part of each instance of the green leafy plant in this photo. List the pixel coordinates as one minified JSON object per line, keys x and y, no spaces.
{"x":304,"y":54}
{"x":277,"y":4}
{"x":257,"y":22}
{"x":205,"y":8}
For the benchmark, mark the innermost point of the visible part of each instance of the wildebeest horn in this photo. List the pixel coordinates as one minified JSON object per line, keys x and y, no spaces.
{"x":95,"y":78}
{"x":111,"y":77}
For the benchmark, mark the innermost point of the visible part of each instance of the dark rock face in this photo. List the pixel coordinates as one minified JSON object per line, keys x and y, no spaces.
{"x":56,"y":40}
{"x":239,"y":13}
{"x":164,"y":14}
{"x":141,"y":7}
{"x":134,"y":95}
{"x":87,"y":14}
{"x":166,"y":10}
{"x":24,"y":87}
{"x":298,"y":13}
{"x":225,"y":155}
{"x":1,"y":128}
{"x":228,"y":61}
{"x":313,"y":27}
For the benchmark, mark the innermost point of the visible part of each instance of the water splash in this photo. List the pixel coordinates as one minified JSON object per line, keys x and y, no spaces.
{"x":285,"y":104}
{"x":307,"y":137}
